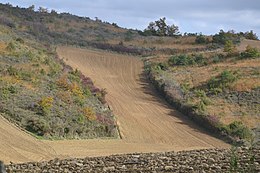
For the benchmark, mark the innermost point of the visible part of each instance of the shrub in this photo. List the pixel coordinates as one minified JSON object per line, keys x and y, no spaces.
{"x":63,"y":82}
{"x":20,"y":40}
{"x":10,"y":46}
{"x":204,"y":101}
{"x":222,"y":37}
{"x":181,"y":60}
{"x":200,"y":106}
{"x":238,"y":129}
{"x":45,"y":104}
{"x":217,"y":58}
{"x":185,"y":87}
{"x":250,"y":35}
{"x":223,"y":80}
{"x":201,"y":39}
{"x":200,"y":93}
{"x":89,"y":113}
{"x":187,"y":60}
{"x":199,"y":59}
{"x":250,"y":52}
{"x":12,"y":71}
{"x":128,"y":36}
{"x":162,"y":66}
{"x":65,"y":96}
{"x":38,"y":126}
{"x":101,"y":95}
{"x":230,"y":48}
{"x":76,"y":90}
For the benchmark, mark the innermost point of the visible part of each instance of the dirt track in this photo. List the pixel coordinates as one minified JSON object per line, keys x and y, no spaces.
{"x":146,"y":122}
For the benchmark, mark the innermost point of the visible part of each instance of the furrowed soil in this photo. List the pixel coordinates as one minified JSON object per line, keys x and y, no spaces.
{"x":146,"y":122}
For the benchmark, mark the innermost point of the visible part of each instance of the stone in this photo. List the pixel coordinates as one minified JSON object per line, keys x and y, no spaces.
{"x":111,"y":168}
{"x":168,"y":168}
{"x":211,"y":160}
{"x":79,"y":164}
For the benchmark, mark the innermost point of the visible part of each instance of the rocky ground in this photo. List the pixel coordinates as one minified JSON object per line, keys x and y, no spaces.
{"x":209,"y":160}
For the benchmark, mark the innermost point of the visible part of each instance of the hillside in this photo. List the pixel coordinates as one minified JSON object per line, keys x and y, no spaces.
{"x":44,"y":96}
{"x":219,"y":89}
{"x":68,"y":29}
{"x":72,"y":87}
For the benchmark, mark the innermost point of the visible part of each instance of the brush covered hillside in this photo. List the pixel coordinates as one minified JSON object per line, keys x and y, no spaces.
{"x":66,"y":29}
{"x":215,"y":79}
{"x":219,"y":89}
{"x":47,"y":98}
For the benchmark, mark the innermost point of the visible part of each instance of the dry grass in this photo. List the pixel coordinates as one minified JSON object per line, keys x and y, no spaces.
{"x":3,"y":47}
{"x":228,"y":113}
{"x":244,"y":43}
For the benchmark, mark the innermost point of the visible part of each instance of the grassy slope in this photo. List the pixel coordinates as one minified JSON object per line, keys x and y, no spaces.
{"x":225,"y":103}
{"x":45,"y":97}
{"x":81,"y":31}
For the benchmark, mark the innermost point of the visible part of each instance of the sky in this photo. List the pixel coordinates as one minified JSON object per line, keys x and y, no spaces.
{"x":192,"y":16}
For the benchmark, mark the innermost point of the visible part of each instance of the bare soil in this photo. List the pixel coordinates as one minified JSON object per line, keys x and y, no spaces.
{"x":146,"y":122}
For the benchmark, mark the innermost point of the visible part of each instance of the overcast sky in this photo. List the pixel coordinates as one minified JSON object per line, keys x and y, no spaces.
{"x":206,"y":16}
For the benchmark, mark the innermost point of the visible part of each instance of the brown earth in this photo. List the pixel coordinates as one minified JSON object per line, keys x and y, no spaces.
{"x":146,"y":122}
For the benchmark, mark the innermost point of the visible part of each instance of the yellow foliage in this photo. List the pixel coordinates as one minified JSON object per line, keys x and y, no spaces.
{"x":75,"y":89}
{"x":89,"y":113}
{"x":46,"y":102}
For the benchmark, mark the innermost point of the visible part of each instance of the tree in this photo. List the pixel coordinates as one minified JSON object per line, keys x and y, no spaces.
{"x":223,"y":36}
{"x":172,"y":30}
{"x":53,"y":12}
{"x":31,"y":8}
{"x":201,"y":39}
{"x":160,"y":28}
{"x":43,"y":10}
{"x":251,"y":35}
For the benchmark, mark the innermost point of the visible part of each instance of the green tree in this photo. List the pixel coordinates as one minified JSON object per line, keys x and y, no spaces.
{"x":201,"y":39}
{"x":251,"y":35}
{"x":160,"y":28}
{"x":43,"y":10}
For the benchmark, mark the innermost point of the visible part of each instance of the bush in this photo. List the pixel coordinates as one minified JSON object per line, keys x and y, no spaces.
{"x":200,"y":60}
{"x":250,"y":52}
{"x":10,"y":46}
{"x":222,"y":81}
{"x":187,"y":60}
{"x":250,"y":35}
{"x":161,"y":66}
{"x":38,"y":126}
{"x":238,"y":129}
{"x":230,"y":48}
{"x":89,"y":113}
{"x":201,"y":39}
{"x":12,"y":71}
{"x":181,"y":60}
{"x":45,"y":104}
{"x":222,"y":37}
{"x":217,"y":58}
